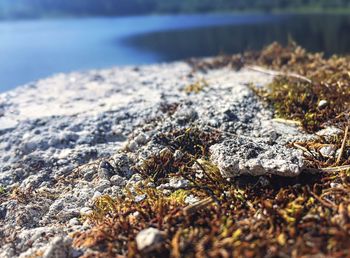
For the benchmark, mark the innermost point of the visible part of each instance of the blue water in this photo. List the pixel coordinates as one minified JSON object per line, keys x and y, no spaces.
{"x":30,"y":50}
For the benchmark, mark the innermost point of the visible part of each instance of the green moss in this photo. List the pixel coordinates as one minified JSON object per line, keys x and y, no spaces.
{"x":2,"y":190}
{"x":196,"y":87}
{"x":191,"y":142}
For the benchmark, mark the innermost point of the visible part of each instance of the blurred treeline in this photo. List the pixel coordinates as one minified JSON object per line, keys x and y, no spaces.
{"x":14,"y":9}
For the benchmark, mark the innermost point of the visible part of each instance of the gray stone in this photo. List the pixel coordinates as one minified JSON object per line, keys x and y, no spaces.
{"x":117,"y":180}
{"x":132,"y":146}
{"x":105,"y":170}
{"x":328,"y":151}
{"x":141,"y":139}
{"x":89,"y":175}
{"x":59,"y":247}
{"x":250,"y":156}
{"x":122,"y":164}
{"x":103,"y":185}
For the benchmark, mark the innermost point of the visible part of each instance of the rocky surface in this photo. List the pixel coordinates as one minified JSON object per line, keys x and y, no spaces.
{"x":256,"y":157}
{"x":69,"y":139}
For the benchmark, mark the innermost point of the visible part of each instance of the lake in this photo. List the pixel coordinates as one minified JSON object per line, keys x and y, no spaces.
{"x":30,"y":50}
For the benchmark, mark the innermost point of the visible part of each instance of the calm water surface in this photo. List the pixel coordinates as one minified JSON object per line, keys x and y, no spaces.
{"x":30,"y":50}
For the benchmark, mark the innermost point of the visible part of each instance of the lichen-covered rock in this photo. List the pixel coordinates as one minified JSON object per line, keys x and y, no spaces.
{"x":252,"y":156}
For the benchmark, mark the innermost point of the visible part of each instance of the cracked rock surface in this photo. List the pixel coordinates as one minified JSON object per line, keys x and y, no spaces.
{"x":71,"y":138}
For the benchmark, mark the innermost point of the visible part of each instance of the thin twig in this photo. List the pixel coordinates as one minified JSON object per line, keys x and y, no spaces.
{"x":343,"y":145}
{"x":276,"y":73}
{"x":287,"y":121}
{"x":336,"y":169}
{"x":302,"y":148}
{"x":324,"y":202}
{"x":205,"y":172}
{"x":328,"y":169}
{"x":191,"y":209}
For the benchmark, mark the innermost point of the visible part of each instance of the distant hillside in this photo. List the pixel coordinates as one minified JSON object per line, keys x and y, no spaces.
{"x":14,"y":9}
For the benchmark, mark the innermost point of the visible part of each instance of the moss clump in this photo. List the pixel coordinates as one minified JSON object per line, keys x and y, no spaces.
{"x":196,"y":87}
{"x":234,"y":219}
{"x":291,"y":217}
{"x":317,"y":104}
{"x":305,"y":79}
{"x":192,"y":143}
{"x":316,"y":156}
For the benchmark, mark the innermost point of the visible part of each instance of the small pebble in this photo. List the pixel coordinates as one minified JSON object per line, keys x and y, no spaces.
{"x":328,"y":151}
{"x":74,"y":222}
{"x":140,"y":198}
{"x":141,"y":139}
{"x":330,"y":131}
{"x":178,"y":183}
{"x":178,"y":155}
{"x":191,"y":199}
{"x":148,"y":238}
{"x":334,"y":185}
{"x":89,"y":175}
{"x":85,"y":211}
{"x":96,"y":195}
{"x":322,"y":104}
{"x":132,"y":146}
{"x":118,"y":180}
{"x":105,"y":170}
{"x":151,"y":184}
{"x":103,"y":185}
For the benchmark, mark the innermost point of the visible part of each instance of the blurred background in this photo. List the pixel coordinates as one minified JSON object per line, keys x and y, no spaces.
{"x":39,"y":38}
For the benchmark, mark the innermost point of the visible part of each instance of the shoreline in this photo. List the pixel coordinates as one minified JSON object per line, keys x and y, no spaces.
{"x":300,"y":11}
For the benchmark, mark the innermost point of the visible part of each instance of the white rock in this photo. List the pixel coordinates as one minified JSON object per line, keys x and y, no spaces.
{"x":96,"y":195}
{"x":191,"y":199}
{"x":178,"y":183}
{"x":74,"y":222}
{"x":85,"y":211}
{"x":140,"y":198}
{"x":322,"y":104}
{"x":65,"y":128}
{"x":328,"y":151}
{"x":148,"y":238}
{"x":330,"y":131}
{"x":118,"y":180}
